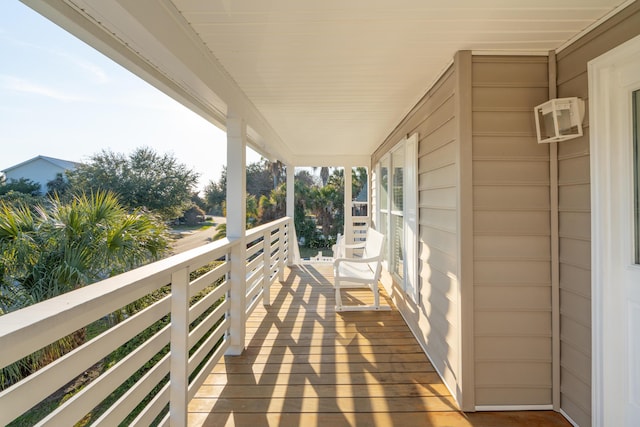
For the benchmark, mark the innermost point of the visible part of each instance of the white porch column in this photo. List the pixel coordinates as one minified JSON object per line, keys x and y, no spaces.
{"x":236,"y":228}
{"x":179,"y":376}
{"x":291,"y":191}
{"x":348,"y":219}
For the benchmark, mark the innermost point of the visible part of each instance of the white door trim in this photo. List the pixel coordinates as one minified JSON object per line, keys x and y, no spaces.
{"x":610,"y":215}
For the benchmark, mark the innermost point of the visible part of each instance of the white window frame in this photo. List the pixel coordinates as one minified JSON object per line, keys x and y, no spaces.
{"x":385,"y":161}
{"x":395,"y":213}
{"x":409,"y":214}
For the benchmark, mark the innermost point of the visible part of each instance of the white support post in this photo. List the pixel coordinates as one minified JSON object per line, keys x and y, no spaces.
{"x":291,"y":170}
{"x":179,"y":365}
{"x":281,"y":249}
{"x":266,"y":268}
{"x":348,"y":218}
{"x":236,"y":229}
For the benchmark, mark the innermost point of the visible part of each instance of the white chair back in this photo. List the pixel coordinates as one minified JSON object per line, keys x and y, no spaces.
{"x":361,"y":272}
{"x":373,"y":247}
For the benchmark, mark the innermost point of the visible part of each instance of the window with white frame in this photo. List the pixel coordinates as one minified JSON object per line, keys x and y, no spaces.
{"x":397,"y":212}
{"x":636,"y":171}
{"x":396,"y":230}
{"x":383,"y":204}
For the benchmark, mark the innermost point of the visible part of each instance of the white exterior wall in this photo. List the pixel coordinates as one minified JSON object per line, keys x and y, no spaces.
{"x":39,"y":170}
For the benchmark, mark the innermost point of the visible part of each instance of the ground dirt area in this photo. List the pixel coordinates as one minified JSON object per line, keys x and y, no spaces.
{"x":193,"y":239}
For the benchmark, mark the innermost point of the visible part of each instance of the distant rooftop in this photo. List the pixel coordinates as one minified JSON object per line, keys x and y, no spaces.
{"x":65,"y":164}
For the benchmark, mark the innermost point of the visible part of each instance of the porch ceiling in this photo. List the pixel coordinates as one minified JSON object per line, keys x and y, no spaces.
{"x":316,"y":80}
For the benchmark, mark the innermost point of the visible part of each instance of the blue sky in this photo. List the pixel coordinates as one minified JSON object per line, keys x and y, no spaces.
{"x":61,"y":98}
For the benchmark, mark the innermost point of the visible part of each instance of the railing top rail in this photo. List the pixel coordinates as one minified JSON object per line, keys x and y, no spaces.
{"x":49,"y":320}
{"x":255,"y":232}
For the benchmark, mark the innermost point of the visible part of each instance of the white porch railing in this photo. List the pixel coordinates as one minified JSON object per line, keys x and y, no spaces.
{"x":358,"y":229}
{"x":183,"y":349}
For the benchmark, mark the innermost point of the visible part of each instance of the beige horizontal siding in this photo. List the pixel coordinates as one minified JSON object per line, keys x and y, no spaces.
{"x":575,"y":216}
{"x":437,"y":201}
{"x":436,"y":321}
{"x":512,"y":223}
{"x":503,"y":393}
{"x":508,"y":146}
{"x":510,"y":273}
{"x":519,"y":98}
{"x":503,"y":123}
{"x":512,"y":284}
{"x":513,"y":348}
{"x":522,"y":297}
{"x":511,"y":171}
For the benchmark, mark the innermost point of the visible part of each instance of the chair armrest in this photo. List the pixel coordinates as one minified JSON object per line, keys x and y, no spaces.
{"x":354,"y":246}
{"x":355,"y":260}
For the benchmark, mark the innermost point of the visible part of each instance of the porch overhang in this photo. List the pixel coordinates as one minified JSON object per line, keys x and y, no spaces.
{"x":316,"y":82}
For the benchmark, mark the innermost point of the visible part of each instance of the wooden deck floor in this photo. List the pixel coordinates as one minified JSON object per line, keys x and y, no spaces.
{"x":306,"y":365}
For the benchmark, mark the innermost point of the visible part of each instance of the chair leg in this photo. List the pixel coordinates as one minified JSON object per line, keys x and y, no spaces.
{"x":338,"y":296}
{"x":376,"y":295}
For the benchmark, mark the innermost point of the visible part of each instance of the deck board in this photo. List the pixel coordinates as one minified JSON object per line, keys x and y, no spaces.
{"x":306,"y":365}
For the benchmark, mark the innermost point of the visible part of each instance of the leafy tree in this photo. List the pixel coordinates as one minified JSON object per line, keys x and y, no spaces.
{"x":59,"y":185}
{"x":278,"y":172}
{"x":305,"y":179}
{"x":252,"y":211}
{"x":252,"y":218}
{"x":22,"y":185}
{"x":17,"y":198}
{"x":327,"y":203}
{"x":359,"y":180}
{"x":144,"y":179}
{"x":319,"y":207}
{"x":262,"y":178}
{"x":304,"y":224}
{"x":273,"y":207}
{"x":259,"y":179}
{"x":198,"y":201}
{"x":215,"y":194}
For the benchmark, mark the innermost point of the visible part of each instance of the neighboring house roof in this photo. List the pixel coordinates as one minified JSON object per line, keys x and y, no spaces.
{"x":64,"y":164}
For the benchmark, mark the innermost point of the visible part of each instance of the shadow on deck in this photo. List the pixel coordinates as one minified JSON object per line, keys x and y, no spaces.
{"x":306,"y":365}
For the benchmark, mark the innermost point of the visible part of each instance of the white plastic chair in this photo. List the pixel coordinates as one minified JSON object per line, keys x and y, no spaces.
{"x":339,"y":248}
{"x":359,"y":272}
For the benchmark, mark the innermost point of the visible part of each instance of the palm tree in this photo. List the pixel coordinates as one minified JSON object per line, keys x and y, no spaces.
{"x":221,"y":232}
{"x":277,"y":169}
{"x":324,"y":174}
{"x":49,"y":251}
